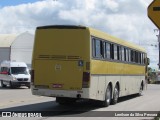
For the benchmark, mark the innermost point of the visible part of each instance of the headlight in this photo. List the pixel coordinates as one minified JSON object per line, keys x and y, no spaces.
{"x":14,"y":78}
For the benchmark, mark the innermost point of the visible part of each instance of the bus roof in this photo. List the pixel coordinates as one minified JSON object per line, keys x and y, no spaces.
{"x":61,"y":27}
{"x":110,"y":38}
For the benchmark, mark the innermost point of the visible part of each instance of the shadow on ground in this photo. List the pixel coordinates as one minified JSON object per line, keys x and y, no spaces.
{"x":78,"y":109}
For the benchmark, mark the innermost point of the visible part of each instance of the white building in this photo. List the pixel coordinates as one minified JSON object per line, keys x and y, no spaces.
{"x":17,"y":47}
{"x":5,"y":46}
{"x":21,"y":48}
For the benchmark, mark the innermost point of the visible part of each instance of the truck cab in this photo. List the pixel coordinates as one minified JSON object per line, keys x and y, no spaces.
{"x":14,"y":74}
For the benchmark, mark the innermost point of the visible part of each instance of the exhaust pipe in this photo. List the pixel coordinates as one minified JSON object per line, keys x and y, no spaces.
{"x":78,"y":96}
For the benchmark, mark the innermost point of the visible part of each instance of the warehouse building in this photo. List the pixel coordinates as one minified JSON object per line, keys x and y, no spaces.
{"x":16,"y":47}
{"x":5,"y":46}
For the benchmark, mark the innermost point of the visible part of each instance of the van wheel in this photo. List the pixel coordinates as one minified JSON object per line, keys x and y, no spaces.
{"x":115,"y":95}
{"x":29,"y":86}
{"x":10,"y":85}
{"x":108,"y":95}
{"x":2,"y":85}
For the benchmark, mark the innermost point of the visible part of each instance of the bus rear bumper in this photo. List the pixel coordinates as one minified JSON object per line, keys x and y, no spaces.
{"x":61,"y":93}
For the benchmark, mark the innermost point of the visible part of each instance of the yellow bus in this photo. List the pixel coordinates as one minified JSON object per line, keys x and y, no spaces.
{"x":78,"y":62}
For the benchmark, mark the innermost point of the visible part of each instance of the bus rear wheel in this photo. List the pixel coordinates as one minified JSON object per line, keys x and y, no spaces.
{"x":108,"y":94}
{"x":141,"y":89}
{"x":115,"y":95}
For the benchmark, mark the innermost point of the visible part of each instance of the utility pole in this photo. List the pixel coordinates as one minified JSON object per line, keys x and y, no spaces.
{"x":158,"y":36}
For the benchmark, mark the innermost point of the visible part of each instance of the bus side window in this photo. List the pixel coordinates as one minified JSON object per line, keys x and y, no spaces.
{"x":111,"y":51}
{"x":136,"y":53}
{"x":97,"y":48}
{"x":142,"y":60}
{"x":107,"y":50}
{"x":118,"y":52}
{"x":102,"y":49}
{"x":129,"y":55}
{"x":122,"y":51}
{"x":139,"y":57}
{"x":127,"y":58}
{"x":133,"y":56}
{"x":115,"y":52}
{"x":93,"y":47}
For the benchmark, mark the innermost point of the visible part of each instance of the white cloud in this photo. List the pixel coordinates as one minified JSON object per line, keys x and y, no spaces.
{"x":126,"y":19}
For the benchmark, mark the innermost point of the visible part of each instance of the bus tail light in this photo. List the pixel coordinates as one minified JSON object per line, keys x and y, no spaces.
{"x":32,"y":76}
{"x":86,"y":79}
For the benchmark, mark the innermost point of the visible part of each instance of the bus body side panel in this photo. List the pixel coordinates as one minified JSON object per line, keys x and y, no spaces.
{"x":128,"y":76}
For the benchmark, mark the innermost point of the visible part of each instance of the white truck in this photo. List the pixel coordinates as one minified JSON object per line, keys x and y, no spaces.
{"x":14,"y":74}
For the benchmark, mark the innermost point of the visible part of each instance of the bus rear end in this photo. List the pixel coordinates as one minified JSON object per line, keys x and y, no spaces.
{"x":61,"y":62}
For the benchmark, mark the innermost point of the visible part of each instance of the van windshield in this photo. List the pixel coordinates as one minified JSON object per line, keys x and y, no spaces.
{"x":19,"y":70}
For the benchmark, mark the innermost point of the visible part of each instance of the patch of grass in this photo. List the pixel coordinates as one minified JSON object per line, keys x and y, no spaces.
{"x":152,"y":81}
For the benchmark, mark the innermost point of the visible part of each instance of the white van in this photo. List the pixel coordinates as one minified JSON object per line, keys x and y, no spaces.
{"x":14,"y":74}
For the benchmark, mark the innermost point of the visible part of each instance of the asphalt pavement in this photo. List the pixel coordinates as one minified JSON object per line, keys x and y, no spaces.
{"x":21,"y":100}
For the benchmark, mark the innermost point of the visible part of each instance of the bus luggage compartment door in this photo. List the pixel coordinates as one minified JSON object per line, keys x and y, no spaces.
{"x":59,"y":75}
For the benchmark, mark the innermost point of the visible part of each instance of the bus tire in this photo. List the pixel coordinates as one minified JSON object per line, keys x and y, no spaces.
{"x":2,"y":85}
{"x":108,"y":95}
{"x":141,"y":89}
{"x":115,"y":95}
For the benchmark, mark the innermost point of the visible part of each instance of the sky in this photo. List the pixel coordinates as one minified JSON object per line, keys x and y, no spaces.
{"x":4,"y":3}
{"x":125,"y":19}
